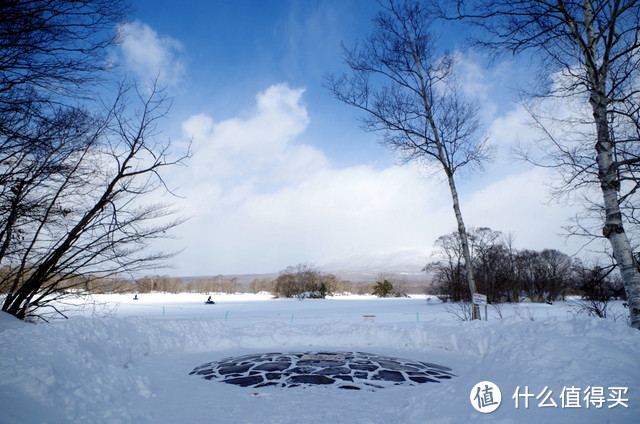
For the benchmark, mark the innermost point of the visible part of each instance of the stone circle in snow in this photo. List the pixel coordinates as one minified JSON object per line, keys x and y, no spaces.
{"x":346,"y":370}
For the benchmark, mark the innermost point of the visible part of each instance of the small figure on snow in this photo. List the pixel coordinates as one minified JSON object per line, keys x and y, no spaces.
{"x":135,"y":297}
{"x":210,"y":302}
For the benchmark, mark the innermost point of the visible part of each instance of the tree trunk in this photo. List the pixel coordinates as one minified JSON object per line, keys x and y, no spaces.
{"x":464,"y":241}
{"x":613,"y":228}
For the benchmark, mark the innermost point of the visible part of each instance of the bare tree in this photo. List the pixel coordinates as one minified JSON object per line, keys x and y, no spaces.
{"x":408,"y":92}
{"x":592,"y":46}
{"x":91,"y":217}
{"x":502,"y":272}
{"x":304,"y":281}
{"x":159,"y":283}
{"x":217,"y":284}
{"x":261,"y":285}
{"x":75,"y":174}
{"x":597,"y":287}
{"x":51,"y":53}
{"x":56,"y":46}
{"x":543,"y":276}
{"x":447,"y":272}
{"x":491,"y":259}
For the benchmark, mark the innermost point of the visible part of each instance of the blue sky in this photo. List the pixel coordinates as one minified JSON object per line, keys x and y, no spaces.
{"x":231,"y":50}
{"x":282,"y":174}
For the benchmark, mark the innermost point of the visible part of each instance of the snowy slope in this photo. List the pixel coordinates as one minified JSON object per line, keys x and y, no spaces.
{"x":133,"y":368}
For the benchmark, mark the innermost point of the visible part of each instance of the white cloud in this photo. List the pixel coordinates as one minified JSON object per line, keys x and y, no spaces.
{"x":511,"y":132}
{"x":150,"y":55}
{"x":473,"y":76}
{"x":260,"y":199}
{"x":258,"y":149}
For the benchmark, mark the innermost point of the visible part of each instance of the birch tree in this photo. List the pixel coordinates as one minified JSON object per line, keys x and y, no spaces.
{"x":594,"y":45}
{"x":406,"y":86}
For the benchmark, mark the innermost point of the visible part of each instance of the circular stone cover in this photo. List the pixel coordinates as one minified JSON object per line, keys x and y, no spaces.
{"x":346,"y":370}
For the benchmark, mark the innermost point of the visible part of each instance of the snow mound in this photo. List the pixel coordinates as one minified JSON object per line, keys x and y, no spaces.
{"x":9,"y":322}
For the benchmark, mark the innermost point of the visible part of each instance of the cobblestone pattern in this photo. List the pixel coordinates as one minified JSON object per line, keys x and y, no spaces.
{"x":346,"y":370}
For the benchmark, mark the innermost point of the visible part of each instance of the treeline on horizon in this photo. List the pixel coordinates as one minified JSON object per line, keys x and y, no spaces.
{"x":503,"y":273}
{"x":507,"y":274}
{"x":222,"y":284}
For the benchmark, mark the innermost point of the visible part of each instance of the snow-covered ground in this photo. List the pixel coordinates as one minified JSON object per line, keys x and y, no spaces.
{"x":126,"y":361}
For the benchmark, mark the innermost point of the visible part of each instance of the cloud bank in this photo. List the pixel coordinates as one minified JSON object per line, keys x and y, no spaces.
{"x":260,"y":199}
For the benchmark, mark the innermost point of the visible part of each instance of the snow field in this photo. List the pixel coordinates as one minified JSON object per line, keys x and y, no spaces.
{"x":133,"y":366}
